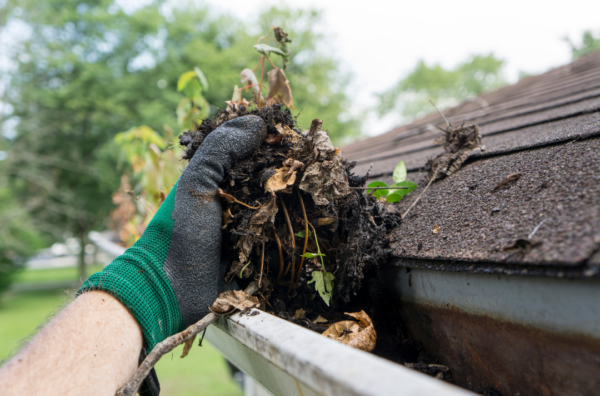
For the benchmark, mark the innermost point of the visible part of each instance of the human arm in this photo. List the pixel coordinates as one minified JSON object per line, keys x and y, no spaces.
{"x":169,"y":278}
{"x":91,"y":346}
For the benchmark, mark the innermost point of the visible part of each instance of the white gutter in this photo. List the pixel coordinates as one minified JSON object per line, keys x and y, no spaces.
{"x":289,"y":360}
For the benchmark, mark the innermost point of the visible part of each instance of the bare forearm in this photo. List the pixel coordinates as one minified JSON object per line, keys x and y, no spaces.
{"x":92,"y":345}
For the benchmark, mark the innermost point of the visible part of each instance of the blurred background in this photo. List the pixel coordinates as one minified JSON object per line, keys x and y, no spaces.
{"x":93,"y":95}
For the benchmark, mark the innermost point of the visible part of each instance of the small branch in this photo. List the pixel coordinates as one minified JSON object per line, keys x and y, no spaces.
{"x":536,"y":229}
{"x":379,"y":188}
{"x":442,"y":114}
{"x":280,"y":254}
{"x":317,"y":242}
{"x":262,"y":264}
{"x":289,"y":223}
{"x":295,"y":283}
{"x":419,"y":197}
{"x":166,"y":346}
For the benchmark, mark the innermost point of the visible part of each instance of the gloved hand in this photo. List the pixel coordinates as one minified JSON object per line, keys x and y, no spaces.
{"x":168,"y":279}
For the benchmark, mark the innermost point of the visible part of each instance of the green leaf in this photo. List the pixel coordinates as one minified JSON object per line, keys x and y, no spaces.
{"x":312,"y":255}
{"x":400,"y":172}
{"x":201,"y":78}
{"x":193,"y":90}
{"x":408,"y":184}
{"x":393,"y":197}
{"x":396,"y":195}
{"x":301,"y":234}
{"x":378,"y":193}
{"x":267,"y":49}
{"x":184,"y":79}
{"x":323,"y":281}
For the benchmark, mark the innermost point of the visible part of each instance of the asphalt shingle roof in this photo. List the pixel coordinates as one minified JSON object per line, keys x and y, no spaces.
{"x":547,"y":129}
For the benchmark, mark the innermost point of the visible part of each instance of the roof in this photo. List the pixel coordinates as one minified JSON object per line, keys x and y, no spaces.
{"x":545,"y":128}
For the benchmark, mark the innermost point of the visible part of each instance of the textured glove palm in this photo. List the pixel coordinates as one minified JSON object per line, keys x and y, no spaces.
{"x":169,"y":278}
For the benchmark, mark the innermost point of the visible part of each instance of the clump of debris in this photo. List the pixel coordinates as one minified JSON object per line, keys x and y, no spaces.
{"x":301,"y":224}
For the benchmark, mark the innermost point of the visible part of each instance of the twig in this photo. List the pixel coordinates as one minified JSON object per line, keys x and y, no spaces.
{"x":379,"y":188}
{"x":262,"y":264}
{"x":280,"y":254}
{"x":294,"y":284}
{"x":419,"y":197}
{"x":442,"y":114}
{"x":289,"y":223}
{"x":166,"y":346}
{"x":317,"y":242}
{"x":230,"y":198}
{"x":536,"y":229}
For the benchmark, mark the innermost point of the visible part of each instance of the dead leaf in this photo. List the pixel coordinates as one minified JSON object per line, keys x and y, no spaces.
{"x":227,"y":217}
{"x":264,"y":217}
{"x":273,"y":138}
{"x":360,"y":335}
{"x":524,"y":245}
{"x":436,"y":229}
{"x":320,"y":319}
{"x":248,"y":78}
{"x":324,"y":221}
{"x":282,"y":181}
{"x":457,"y":142}
{"x":325,"y":178}
{"x":294,"y":166}
{"x":187,"y":346}
{"x":279,"y":87}
{"x":510,"y":179}
{"x":288,"y":133}
{"x":300,"y":314}
{"x":229,"y":301}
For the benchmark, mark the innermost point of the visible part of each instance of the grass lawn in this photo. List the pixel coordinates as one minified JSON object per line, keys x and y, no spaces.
{"x":54,"y":274}
{"x":202,"y":372}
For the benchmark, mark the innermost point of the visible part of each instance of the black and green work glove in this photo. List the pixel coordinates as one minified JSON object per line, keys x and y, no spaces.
{"x":169,"y":278}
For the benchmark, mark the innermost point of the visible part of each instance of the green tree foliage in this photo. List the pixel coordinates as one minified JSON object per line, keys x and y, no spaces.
{"x":410,"y":96}
{"x":589,"y":44}
{"x":86,"y":70}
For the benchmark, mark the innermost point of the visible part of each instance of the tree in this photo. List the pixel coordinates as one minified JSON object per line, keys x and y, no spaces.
{"x":410,"y":96}
{"x":87,"y":70}
{"x":589,"y":44}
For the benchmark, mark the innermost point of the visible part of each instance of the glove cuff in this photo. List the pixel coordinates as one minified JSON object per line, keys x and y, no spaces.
{"x":137,"y":279}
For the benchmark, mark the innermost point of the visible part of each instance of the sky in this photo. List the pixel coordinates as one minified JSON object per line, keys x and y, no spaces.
{"x":527,"y":34}
{"x":379,"y":42}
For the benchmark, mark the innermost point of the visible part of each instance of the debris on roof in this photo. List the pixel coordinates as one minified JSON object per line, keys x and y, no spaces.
{"x":531,"y":199}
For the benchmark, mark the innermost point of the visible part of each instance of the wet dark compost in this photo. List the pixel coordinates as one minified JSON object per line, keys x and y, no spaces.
{"x":296,"y":182}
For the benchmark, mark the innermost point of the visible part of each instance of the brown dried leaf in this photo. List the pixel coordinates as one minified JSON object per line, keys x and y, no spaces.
{"x":320,"y":319}
{"x":360,"y":335}
{"x":264,"y":217}
{"x":457,"y":142}
{"x":281,"y":181}
{"x":187,"y":346}
{"x":227,"y":217}
{"x":288,"y":133}
{"x":436,"y":229}
{"x":229,"y":301}
{"x":325,"y":178}
{"x":300,"y":314}
{"x":508,"y":180}
{"x":248,"y":78}
{"x":279,"y":87}
{"x":273,"y":138}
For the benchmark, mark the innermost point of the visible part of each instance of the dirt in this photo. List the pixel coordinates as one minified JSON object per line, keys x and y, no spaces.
{"x":302,"y":169}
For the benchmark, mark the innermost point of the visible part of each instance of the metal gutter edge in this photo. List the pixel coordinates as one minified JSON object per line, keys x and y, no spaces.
{"x":287,"y":359}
